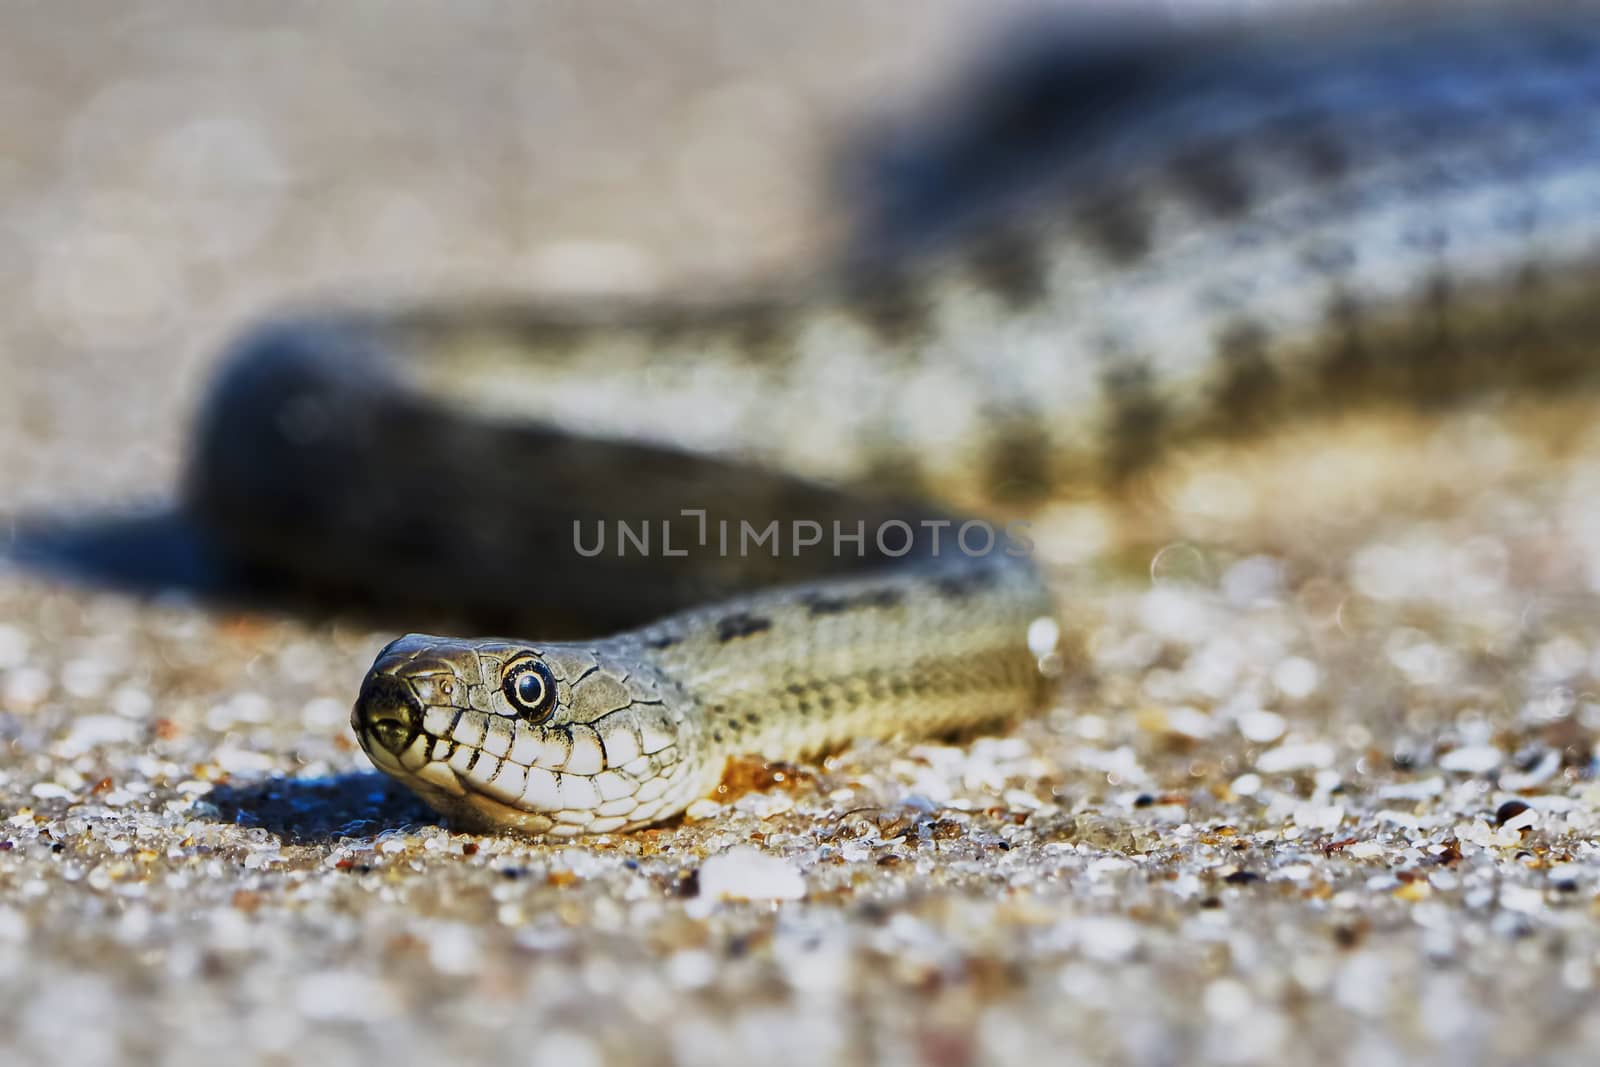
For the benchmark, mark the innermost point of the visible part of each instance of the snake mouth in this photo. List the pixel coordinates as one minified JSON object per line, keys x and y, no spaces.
{"x":388,"y":713}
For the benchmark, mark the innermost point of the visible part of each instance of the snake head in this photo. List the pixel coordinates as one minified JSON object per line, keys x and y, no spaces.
{"x":551,"y":739}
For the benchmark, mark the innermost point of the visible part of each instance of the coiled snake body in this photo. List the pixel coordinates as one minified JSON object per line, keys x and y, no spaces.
{"x":1195,"y":235}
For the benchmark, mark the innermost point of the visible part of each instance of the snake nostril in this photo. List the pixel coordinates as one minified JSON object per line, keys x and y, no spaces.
{"x":388,"y":713}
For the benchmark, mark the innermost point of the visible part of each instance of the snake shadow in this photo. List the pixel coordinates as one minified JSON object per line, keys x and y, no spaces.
{"x":313,"y":811}
{"x":149,"y":552}
{"x":162,"y":552}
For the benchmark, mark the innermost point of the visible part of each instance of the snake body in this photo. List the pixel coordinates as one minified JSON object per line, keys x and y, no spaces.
{"x":1200,"y":235}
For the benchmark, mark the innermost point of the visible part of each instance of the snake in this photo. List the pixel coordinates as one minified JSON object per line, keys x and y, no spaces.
{"x":1102,"y":246}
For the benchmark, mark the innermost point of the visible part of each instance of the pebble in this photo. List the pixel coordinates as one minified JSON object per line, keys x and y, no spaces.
{"x":1515,"y":815}
{"x":1312,"y":755}
{"x":1472,"y":759}
{"x":1262,"y":726}
{"x":745,"y":873}
{"x":344,"y":996}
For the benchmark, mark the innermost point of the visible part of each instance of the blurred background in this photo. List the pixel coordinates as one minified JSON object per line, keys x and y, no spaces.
{"x":1271,"y":823}
{"x":170,"y":171}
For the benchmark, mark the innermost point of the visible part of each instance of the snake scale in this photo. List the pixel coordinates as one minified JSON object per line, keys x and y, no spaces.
{"x":1135,"y":242}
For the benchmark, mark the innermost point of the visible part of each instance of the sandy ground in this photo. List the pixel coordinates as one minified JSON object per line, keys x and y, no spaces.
{"x":1321,"y":785}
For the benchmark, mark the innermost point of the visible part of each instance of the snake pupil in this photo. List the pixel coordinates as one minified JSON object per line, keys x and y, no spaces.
{"x":530,"y":688}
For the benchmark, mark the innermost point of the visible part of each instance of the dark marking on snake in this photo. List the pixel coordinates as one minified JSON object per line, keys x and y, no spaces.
{"x":763,"y":330}
{"x":895,"y":468}
{"x":1319,"y":155}
{"x":1137,"y":419}
{"x":1116,"y":226}
{"x":1329,"y":258}
{"x":1212,"y":178}
{"x":961,"y":585}
{"x":1017,"y":458}
{"x":891,"y":308}
{"x":741,"y":624}
{"x":825,"y":604}
{"x":1346,"y":364}
{"x":1010,"y":265}
{"x":1248,"y":383}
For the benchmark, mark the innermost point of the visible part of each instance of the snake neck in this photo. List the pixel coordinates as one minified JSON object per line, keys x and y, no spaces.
{"x":928,"y":647}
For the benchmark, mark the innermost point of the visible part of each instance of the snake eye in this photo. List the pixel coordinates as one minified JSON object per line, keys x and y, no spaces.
{"x":530,"y":687}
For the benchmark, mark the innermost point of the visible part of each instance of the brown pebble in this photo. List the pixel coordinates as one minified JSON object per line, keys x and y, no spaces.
{"x":1508,"y":811}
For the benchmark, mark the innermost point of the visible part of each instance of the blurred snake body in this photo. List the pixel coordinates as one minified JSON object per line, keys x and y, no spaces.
{"x":1201,"y":234}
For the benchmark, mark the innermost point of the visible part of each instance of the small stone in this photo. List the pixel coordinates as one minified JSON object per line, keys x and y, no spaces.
{"x":243,"y":761}
{"x":691,"y":969}
{"x":764,"y":805}
{"x":1246,"y":785}
{"x":13,"y":647}
{"x":1414,"y":891}
{"x":1296,"y":677}
{"x":1106,"y":939}
{"x":1517,"y":812}
{"x":1472,"y":759}
{"x":1295,"y":757}
{"x":745,"y":873}
{"x":703,"y":808}
{"x":1521,"y":898}
{"x":1262,"y":727}
{"x":344,"y":996}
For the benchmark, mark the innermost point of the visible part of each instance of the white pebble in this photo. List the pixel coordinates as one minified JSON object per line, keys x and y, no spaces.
{"x":1252,"y":580}
{"x":13,"y":925}
{"x":324,"y":713}
{"x":243,"y":761}
{"x":1044,"y":637}
{"x":1521,"y":898}
{"x":1106,"y":939}
{"x":691,"y":969}
{"x":745,"y":873}
{"x":131,"y":703}
{"x":1523,"y":820}
{"x":341,"y":995}
{"x":568,"y":1049}
{"x":13,"y":647}
{"x":85,"y":678}
{"x":1295,"y":757}
{"x":1190,"y":722}
{"x":1228,"y":1001}
{"x":453,"y":948}
{"x":1472,"y":759}
{"x":1296,"y":677}
{"x":704,"y":808}
{"x":91,"y":731}
{"x":25,"y":688}
{"x":1261,"y":726}
{"x":1540,"y":772}
{"x":764,"y":805}
{"x":1318,"y":816}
